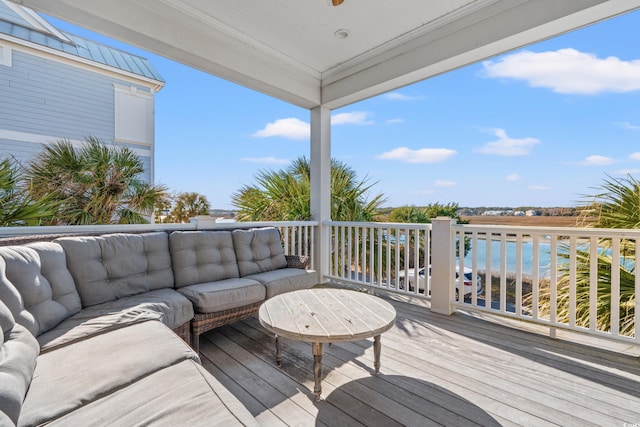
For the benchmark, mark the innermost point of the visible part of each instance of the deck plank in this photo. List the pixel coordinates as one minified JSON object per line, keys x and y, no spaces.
{"x":465,"y":369}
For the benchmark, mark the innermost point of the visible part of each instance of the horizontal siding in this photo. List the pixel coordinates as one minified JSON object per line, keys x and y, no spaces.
{"x":24,"y":152}
{"x":51,"y":98}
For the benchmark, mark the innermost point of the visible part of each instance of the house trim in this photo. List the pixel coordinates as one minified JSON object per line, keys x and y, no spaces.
{"x":6,"y":55}
{"x":12,"y":135}
{"x":76,"y":61}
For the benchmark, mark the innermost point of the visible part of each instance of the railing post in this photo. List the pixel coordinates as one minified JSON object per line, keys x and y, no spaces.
{"x":442,"y":280}
{"x":203,"y":221}
{"x":321,"y":187}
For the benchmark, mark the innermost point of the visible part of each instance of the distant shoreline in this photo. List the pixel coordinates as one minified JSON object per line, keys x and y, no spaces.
{"x":541,"y":221}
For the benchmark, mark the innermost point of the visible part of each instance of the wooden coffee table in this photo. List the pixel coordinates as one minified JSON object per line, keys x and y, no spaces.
{"x":326,"y":315}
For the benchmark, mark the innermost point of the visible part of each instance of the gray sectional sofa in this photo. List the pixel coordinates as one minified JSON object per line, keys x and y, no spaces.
{"x":95,"y":328}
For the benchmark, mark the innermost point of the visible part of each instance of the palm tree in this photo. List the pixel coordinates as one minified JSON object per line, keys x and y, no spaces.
{"x":616,"y":205}
{"x":94,"y":184}
{"x":17,"y":207}
{"x":188,"y":205}
{"x":285,"y":195}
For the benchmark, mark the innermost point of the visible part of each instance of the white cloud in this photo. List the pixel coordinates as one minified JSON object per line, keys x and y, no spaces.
{"x":512,"y":177}
{"x":395,"y":121}
{"x":626,"y":172}
{"x":597,"y":160}
{"x":397,"y":96}
{"x":634,"y":156}
{"x":290,"y":128}
{"x":568,"y":71}
{"x":353,"y":118}
{"x":424,"y":155}
{"x":505,"y":146}
{"x":539,"y":188}
{"x":630,"y":126}
{"x":442,"y":183}
{"x":293,"y":128}
{"x":267,"y":160}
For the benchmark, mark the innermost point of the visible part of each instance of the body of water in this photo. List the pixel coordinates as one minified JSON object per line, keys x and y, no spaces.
{"x":544,"y":257}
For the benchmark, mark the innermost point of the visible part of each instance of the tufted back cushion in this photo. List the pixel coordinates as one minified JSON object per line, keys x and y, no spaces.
{"x":202,"y":256}
{"x":46,"y":294}
{"x":113,"y":266}
{"x":258,"y":250}
{"x":18,"y":352}
{"x":7,"y":322}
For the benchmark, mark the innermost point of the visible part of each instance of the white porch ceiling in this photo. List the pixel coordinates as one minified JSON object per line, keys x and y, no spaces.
{"x":287,"y":48}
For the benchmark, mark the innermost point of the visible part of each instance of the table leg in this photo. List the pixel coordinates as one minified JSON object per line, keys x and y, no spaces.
{"x":278,"y":351}
{"x":317,"y":369}
{"x":376,"y":353}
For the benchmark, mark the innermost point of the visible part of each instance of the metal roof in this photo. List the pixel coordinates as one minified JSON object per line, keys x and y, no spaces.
{"x":82,"y":48}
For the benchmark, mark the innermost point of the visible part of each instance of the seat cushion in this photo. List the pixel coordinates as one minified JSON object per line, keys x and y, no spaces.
{"x":166,"y":305}
{"x":46,"y":293}
{"x":113,"y":266}
{"x":86,"y":370}
{"x":180,"y":395}
{"x":224,"y":294}
{"x":18,"y":352}
{"x":202,"y":256}
{"x":285,"y":280}
{"x":258,"y":250}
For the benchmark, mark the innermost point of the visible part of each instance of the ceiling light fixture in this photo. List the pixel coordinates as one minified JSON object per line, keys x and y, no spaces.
{"x":341,"y":34}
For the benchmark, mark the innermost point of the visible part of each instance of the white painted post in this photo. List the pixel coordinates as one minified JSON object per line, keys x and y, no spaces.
{"x":442,"y":276}
{"x":203,"y":221}
{"x":321,"y":187}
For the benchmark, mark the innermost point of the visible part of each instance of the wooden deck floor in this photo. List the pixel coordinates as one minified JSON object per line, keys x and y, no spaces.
{"x":436,"y":370}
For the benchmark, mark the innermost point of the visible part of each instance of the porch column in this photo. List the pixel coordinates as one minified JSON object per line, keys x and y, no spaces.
{"x":442,"y":261}
{"x":321,"y":186}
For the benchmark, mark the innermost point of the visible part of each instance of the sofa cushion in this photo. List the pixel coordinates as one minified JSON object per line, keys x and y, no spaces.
{"x":18,"y":352}
{"x":202,"y":256}
{"x":41,"y":287}
{"x":285,"y":280}
{"x":84,"y":371}
{"x":194,"y":398}
{"x":223,"y":294}
{"x":258,"y":250}
{"x":113,"y":266}
{"x":9,"y":294}
{"x":166,"y":305}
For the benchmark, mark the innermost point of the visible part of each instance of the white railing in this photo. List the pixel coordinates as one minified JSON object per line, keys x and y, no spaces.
{"x":297,"y":236}
{"x":388,"y":256}
{"x":579,"y":279}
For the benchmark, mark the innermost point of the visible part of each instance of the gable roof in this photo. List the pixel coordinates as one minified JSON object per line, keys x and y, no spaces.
{"x":33,"y":28}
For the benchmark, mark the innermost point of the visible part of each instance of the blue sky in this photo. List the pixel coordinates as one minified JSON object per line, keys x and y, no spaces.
{"x":540,"y":126}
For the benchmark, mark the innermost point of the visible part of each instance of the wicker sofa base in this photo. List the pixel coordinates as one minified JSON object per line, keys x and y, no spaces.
{"x":184,"y":332}
{"x":203,"y":322}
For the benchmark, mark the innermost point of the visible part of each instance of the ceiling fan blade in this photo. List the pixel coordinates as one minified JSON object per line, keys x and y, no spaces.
{"x":337,"y":2}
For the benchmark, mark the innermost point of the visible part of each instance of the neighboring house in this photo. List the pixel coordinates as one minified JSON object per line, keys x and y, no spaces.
{"x":55,"y":85}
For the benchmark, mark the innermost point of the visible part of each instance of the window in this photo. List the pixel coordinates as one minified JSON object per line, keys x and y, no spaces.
{"x":5,"y":55}
{"x":133,"y":115}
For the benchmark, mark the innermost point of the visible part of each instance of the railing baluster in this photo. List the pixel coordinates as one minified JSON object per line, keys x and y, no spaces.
{"x":572,"y":280}
{"x":535,"y":286}
{"x":593,"y":283}
{"x":503,"y":272}
{"x":553,"y":284}
{"x":518,"y":308}
{"x":615,"y":286}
